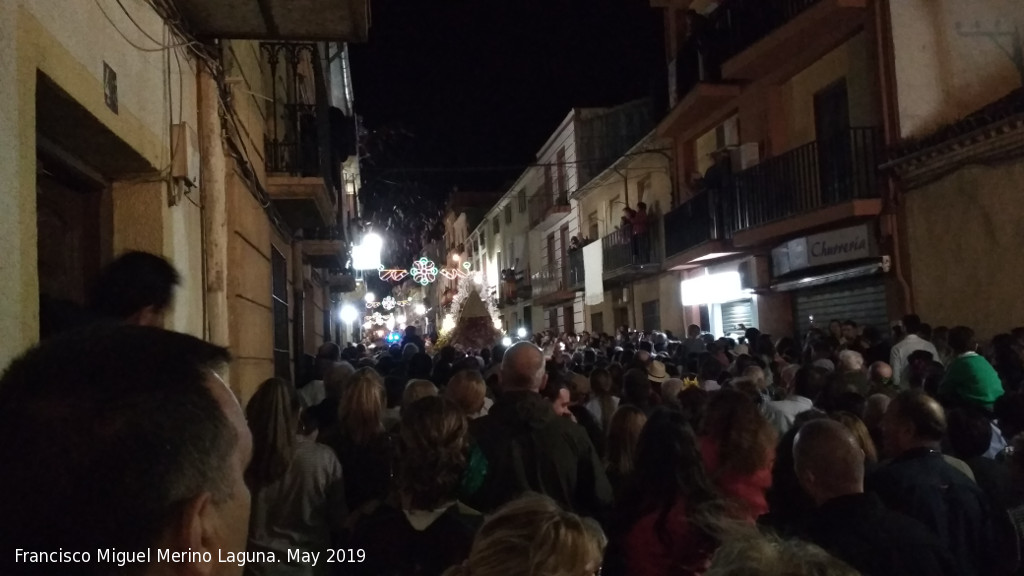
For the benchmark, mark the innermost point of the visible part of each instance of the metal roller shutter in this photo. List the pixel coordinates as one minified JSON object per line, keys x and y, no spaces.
{"x":736,"y":313}
{"x":861,"y":301}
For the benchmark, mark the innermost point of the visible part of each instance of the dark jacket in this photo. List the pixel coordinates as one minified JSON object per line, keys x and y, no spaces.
{"x":530,"y":449}
{"x":922,"y":485}
{"x":395,"y":547}
{"x":862,"y":532}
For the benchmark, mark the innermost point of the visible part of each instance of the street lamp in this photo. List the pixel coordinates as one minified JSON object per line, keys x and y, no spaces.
{"x":456,"y":257}
{"x":506,"y":341}
{"x":521,"y":332}
{"x":370,"y":297}
{"x":420,"y":309}
{"x":348,"y":314}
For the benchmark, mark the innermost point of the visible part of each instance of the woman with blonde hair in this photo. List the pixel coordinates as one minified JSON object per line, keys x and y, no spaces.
{"x":422,"y":528}
{"x":359,"y":439}
{"x":603,"y":403}
{"x":533,"y":536}
{"x":623,"y":435}
{"x":856,"y":426}
{"x":298,"y":496}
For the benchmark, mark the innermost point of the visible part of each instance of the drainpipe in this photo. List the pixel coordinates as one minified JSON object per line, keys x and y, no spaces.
{"x":213,"y":188}
{"x":891,"y":132}
{"x":298,"y":311}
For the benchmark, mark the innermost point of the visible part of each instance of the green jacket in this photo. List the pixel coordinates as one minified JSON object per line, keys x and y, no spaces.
{"x":530,"y":449}
{"x":972,"y":379}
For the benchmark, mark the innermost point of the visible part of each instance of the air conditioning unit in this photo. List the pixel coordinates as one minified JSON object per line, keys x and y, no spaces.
{"x":745,"y":156}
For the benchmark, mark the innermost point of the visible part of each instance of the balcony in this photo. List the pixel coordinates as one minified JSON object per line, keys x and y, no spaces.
{"x":299,"y":156}
{"x":328,"y":20}
{"x":551,"y":286}
{"x":324,"y":248}
{"x":812,"y":186}
{"x":576,"y":275}
{"x":777,"y":38}
{"x":629,"y":256}
{"x":697,"y":230}
{"x":545,"y":209}
{"x":702,"y":98}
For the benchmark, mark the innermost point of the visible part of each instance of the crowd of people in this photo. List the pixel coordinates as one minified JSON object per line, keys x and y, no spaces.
{"x":635,"y":454}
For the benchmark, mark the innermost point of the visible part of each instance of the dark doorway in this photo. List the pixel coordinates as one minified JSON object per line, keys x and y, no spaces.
{"x":832,"y":130}
{"x":72,"y":244}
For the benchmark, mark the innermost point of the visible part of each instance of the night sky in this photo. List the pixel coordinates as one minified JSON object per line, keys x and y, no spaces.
{"x":452,"y":86}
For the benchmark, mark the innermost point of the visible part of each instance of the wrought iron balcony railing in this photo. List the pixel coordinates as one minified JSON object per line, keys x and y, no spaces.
{"x":739,"y":24}
{"x":624,"y":248}
{"x":701,"y":218}
{"x":816,"y":175}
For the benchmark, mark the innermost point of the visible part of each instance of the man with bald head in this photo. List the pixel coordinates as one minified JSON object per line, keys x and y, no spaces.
{"x":922,"y":484}
{"x":880,"y":379}
{"x":530,"y":449}
{"x":853,"y":526}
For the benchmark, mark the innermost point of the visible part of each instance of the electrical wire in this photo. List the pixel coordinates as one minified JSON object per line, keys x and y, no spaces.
{"x":159,"y":48}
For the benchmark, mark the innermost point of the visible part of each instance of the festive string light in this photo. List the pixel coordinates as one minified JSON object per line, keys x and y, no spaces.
{"x":423,"y":272}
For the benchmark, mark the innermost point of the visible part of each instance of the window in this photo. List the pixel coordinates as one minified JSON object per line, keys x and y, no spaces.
{"x":597,"y":323}
{"x":651,"y":319}
{"x":561,"y":183}
{"x":496,"y":223}
{"x":642,"y":186}
{"x":508,"y":214}
{"x":548,"y":184}
{"x":521,"y":200}
{"x":569,"y":319}
{"x":593,"y":226}
{"x":279,"y":297}
{"x":553,"y":320}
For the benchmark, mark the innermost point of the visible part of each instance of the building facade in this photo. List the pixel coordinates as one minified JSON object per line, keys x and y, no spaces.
{"x":229,"y":158}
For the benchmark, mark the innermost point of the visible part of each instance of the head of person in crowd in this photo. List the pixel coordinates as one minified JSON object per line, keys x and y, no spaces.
{"x":467,"y":390}
{"x":326,"y":356}
{"x":790,"y":505}
{"x":754,"y":553}
{"x":745,"y":440}
{"x":657,"y":373}
{"x":523,"y":368}
{"x":879,"y":375}
{"x":409,"y":350}
{"x":273,"y":415}
{"x":860,"y":432}
{"x":835,"y":329}
{"x":534,"y":536}
{"x":335,"y":377}
{"x":557,"y":392}
{"x":623,"y":435}
{"x":361,"y":412}
{"x":849,"y":331}
{"x":416,"y":389}
{"x":636,"y":388}
{"x":913,"y":420}
{"x":969,"y":432}
{"x":668,"y":469}
{"x":420,"y":366}
{"x":601,"y":388}
{"x":693,"y":403}
{"x":693,"y":331}
{"x":874,"y":412}
{"x":788,"y":378}
{"x":850,"y":361}
{"x":497,"y":353}
{"x":151,"y":450}
{"x":670,"y":390}
{"x":810,"y":382}
{"x":432,"y":453}
{"x":829,"y":461}
{"x":136,"y":288}
{"x":752,"y":381}
{"x":911,"y":324}
{"x":961,"y":340}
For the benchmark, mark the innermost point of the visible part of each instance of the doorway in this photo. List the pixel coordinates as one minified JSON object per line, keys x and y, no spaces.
{"x":832,"y":130}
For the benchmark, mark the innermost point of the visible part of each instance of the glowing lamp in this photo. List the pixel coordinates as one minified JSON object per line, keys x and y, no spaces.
{"x":420,"y":309}
{"x":347,"y":314}
{"x":521,"y":332}
{"x":370,"y":297}
{"x":506,"y":341}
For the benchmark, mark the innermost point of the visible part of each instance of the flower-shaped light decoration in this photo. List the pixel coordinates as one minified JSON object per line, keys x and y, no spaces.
{"x":423,"y":271}
{"x":388,"y":303}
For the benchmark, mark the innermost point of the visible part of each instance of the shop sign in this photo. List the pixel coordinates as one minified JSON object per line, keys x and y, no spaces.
{"x":846,"y":245}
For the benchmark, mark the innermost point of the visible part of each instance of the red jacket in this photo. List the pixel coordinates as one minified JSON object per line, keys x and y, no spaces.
{"x":686,"y":553}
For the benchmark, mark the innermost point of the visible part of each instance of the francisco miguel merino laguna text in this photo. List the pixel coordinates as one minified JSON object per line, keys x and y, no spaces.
{"x":122,"y":558}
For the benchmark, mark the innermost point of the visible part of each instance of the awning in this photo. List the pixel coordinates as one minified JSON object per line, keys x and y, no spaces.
{"x":877,"y":266}
{"x":310,"y":20}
